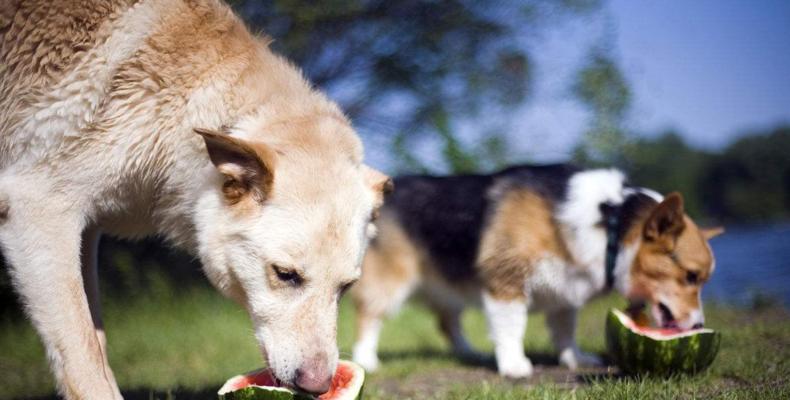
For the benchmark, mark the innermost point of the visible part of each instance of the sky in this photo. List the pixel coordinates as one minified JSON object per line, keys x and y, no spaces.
{"x":711,"y":70}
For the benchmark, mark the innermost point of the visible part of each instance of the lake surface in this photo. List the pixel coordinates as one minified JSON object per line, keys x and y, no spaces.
{"x":751,"y":262}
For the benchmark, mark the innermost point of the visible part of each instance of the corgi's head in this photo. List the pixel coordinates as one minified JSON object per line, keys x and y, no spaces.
{"x":671,"y":263}
{"x":282,"y":227}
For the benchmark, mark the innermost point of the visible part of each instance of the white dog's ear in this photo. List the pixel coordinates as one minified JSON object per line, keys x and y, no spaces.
{"x":248,"y":167}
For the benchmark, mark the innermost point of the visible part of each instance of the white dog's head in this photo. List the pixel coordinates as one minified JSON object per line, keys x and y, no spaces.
{"x":282,"y":230}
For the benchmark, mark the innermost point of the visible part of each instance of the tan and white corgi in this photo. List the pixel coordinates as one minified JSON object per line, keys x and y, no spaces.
{"x":530,"y":238}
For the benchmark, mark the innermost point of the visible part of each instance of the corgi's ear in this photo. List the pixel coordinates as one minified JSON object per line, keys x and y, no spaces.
{"x":666,"y":222}
{"x":248,"y":167}
{"x":710,"y":233}
{"x":382,"y":186}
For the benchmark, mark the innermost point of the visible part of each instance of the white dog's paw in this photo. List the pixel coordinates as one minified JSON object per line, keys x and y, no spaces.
{"x":574,"y":358}
{"x":367,"y":360}
{"x":514,"y":366}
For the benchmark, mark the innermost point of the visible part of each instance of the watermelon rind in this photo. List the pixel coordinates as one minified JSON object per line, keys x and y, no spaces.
{"x":352,"y":391}
{"x":256,"y":392}
{"x":639,"y":353}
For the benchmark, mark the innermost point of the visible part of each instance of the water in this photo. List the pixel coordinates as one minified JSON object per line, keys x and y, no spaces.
{"x":752,"y":264}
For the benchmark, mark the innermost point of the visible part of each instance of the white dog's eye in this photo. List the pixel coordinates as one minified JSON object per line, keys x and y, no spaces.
{"x":344,"y":288}
{"x":287,"y":275}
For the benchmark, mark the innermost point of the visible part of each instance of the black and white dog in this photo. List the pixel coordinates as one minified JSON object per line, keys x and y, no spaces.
{"x":544,"y":238}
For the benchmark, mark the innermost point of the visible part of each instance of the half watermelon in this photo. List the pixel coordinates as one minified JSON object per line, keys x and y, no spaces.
{"x":640,"y":350}
{"x":259,"y":385}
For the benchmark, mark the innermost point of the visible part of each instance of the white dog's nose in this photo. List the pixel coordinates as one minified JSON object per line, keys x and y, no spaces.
{"x":314,"y":376}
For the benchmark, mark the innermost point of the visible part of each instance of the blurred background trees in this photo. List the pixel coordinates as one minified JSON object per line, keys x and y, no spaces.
{"x":411,"y":74}
{"x":408,"y":72}
{"x":415,"y":74}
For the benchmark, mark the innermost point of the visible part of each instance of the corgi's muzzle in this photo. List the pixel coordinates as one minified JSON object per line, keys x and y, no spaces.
{"x":665,"y":318}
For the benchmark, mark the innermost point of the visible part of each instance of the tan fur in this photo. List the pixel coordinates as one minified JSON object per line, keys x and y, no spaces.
{"x":398,"y":263}
{"x":661,"y":266}
{"x":248,"y":168}
{"x":99,"y":102}
{"x":521,"y":233}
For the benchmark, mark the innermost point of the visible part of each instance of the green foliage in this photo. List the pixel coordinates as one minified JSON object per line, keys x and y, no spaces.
{"x":395,"y":66}
{"x":449,"y":55}
{"x":602,"y":88}
{"x":747,"y":182}
{"x":667,"y":164}
{"x":750,"y":180}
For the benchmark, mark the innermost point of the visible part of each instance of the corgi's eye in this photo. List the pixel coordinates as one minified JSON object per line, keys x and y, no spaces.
{"x":287,"y":275}
{"x":692,"y":277}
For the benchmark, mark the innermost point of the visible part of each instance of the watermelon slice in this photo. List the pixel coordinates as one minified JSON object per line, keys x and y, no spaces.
{"x":640,"y":349}
{"x":259,"y":385}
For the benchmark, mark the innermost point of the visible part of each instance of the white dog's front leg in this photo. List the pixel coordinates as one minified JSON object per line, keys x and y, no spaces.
{"x":42,"y":245}
{"x":507,"y":322}
{"x":562,"y":324}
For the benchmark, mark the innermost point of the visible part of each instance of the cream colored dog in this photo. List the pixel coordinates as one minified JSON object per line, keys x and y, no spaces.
{"x":100,"y":102}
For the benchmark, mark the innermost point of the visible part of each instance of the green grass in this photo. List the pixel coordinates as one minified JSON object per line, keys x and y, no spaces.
{"x":185,"y":346}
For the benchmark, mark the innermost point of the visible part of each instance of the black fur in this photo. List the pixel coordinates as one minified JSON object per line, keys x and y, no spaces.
{"x":448,"y":214}
{"x":632,"y":210}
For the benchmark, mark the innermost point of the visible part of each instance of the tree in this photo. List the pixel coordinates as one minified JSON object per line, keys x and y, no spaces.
{"x":666,"y":164}
{"x":603,"y":89}
{"x":410,"y":69}
{"x":750,"y":180}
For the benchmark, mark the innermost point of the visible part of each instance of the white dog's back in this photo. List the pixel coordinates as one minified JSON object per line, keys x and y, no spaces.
{"x":110,"y":90}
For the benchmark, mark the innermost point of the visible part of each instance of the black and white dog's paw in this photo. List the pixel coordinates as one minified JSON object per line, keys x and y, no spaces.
{"x":573,"y":358}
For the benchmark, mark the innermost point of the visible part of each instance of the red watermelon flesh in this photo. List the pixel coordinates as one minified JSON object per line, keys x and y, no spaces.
{"x":346,"y":383}
{"x":640,"y":323}
{"x":259,"y":378}
{"x":343,"y":376}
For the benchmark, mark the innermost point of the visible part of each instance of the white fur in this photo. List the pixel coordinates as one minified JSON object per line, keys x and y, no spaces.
{"x":622,"y":266}
{"x":554,"y":284}
{"x":579,"y":216}
{"x":507,"y":322}
{"x":364,"y":352}
{"x":629,"y":191}
{"x":696,"y":316}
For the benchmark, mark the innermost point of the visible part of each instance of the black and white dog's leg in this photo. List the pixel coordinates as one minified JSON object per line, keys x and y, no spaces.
{"x":562,"y":325}
{"x":507,"y":323}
